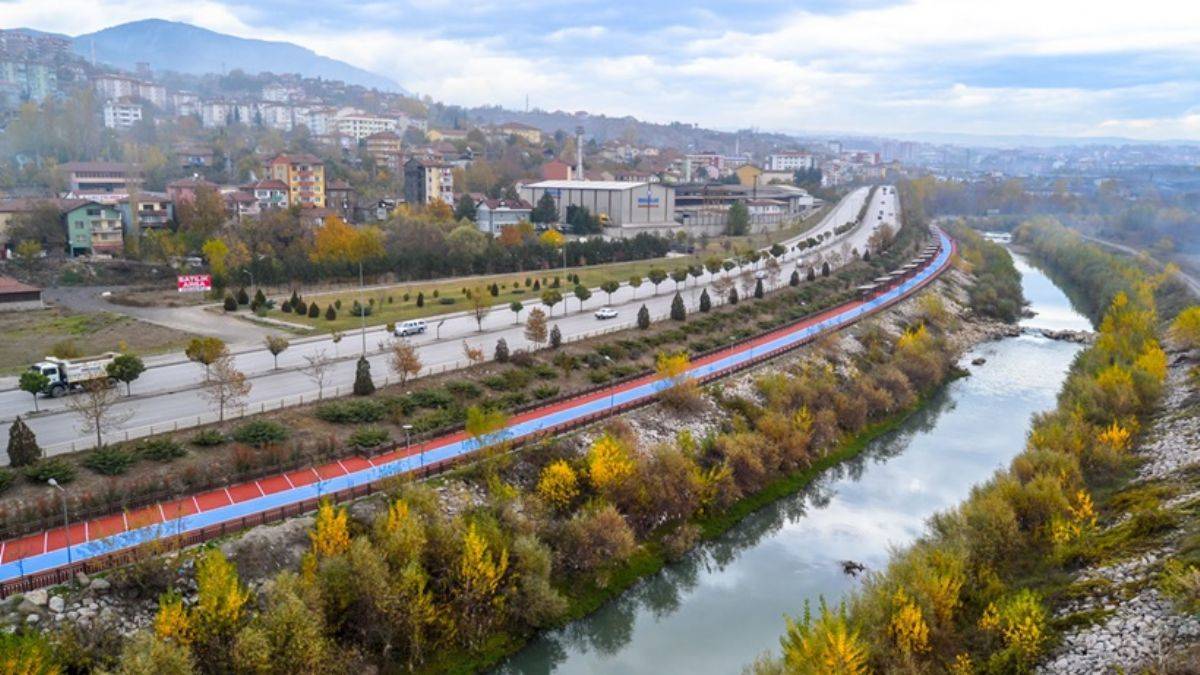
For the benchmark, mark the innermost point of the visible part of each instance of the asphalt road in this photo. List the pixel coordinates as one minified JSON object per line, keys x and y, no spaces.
{"x":169,"y":396}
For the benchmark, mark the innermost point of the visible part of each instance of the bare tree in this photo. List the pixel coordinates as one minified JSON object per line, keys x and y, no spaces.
{"x":94,"y":408}
{"x":316,"y":367}
{"x":226,"y":385}
{"x":404,"y":360}
{"x":480,"y":306}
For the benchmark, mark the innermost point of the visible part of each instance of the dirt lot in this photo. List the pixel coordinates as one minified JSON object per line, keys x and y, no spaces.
{"x":27,"y":336}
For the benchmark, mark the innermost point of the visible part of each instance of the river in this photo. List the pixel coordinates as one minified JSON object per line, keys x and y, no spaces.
{"x":723,"y":605}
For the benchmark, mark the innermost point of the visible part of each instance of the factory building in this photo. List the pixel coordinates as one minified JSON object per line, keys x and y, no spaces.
{"x":625,"y":205}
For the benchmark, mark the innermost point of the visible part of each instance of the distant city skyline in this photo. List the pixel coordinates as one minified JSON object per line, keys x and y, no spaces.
{"x":865,"y":66}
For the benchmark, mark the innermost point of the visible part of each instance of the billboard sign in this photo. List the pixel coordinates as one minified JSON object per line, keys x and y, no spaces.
{"x":193,"y":283}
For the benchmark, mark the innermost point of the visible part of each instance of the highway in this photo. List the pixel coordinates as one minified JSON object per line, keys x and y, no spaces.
{"x":168,"y":397}
{"x":45,"y":558}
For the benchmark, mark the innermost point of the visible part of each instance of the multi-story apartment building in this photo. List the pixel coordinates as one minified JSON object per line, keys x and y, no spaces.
{"x":116,"y":86}
{"x":93,"y":228}
{"x":100,"y":177}
{"x":122,"y":114}
{"x":358,"y":125}
{"x":386,"y":149}
{"x":789,"y":161}
{"x":185,"y":103}
{"x":26,"y":80}
{"x":426,"y":181}
{"x":305,"y":177}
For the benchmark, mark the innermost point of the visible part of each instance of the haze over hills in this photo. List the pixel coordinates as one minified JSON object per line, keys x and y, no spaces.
{"x":184,"y":48}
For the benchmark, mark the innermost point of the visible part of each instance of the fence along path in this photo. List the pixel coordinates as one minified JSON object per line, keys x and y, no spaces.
{"x":45,"y":558}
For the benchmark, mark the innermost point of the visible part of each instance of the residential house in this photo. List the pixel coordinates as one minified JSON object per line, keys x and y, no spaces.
{"x":451,"y":135}
{"x":270,"y":194}
{"x":304,"y":175}
{"x":142,"y":212}
{"x":184,"y":190}
{"x":240,"y":203}
{"x":557,"y":170}
{"x":341,"y":198}
{"x":192,"y":155}
{"x":122,"y":114}
{"x":491,"y":215}
{"x":92,"y":228}
{"x":529,"y":133}
{"x":426,"y":181}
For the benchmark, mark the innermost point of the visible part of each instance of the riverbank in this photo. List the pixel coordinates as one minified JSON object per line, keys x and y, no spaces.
{"x":978,"y":590}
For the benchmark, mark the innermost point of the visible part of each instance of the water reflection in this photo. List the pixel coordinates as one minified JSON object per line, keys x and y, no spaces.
{"x":715,"y":610}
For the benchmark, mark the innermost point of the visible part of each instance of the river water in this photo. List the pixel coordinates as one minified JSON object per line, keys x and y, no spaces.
{"x":724,"y":604}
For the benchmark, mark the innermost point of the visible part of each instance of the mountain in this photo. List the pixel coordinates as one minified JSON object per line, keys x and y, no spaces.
{"x":184,"y":48}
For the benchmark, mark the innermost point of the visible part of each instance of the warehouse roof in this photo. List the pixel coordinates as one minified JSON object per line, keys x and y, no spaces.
{"x":587,"y":185}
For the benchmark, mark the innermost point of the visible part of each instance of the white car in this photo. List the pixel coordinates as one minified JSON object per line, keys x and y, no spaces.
{"x":606,"y":313}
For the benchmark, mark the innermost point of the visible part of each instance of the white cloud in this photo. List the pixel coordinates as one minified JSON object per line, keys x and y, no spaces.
{"x":870,"y":70}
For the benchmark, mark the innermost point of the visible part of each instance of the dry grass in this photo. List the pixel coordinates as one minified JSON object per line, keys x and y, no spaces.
{"x":30,"y":335}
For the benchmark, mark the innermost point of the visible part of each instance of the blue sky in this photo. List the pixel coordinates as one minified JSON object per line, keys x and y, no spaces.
{"x":1052,"y":67}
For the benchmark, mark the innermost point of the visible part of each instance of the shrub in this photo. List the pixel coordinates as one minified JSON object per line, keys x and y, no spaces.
{"x":545,"y":391}
{"x":678,"y":311}
{"x":58,"y":469}
{"x":161,"y":449}
{"x":555,"y":337}
{"x":501,"y":354}
{"x":208,"y":438}
{"x":242,"y":297}
{"x":260,"y":433}
{"x":352,"y":412}
{"x":231,"y":304}
{"x":420,"y":299}
{"x":314,"y":310}
{"x":446,"y":301}
{"x":369,"y":437}
{"x":363,"y":384}
{"x":599,"y":376}
{"x":6,"y":479}
{"x":464,"y":389}
{"x":705,"y":301}
{"x":330,"y":313}
{"x":593,"y":539}
{"x":432,"y":398}
{"x":109,"y":460}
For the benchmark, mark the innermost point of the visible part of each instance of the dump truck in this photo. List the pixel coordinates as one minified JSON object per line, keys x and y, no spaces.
{"x":71,"y":375}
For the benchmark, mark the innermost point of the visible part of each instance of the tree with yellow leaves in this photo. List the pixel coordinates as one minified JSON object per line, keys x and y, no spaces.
{"x":331,"y":534}
{"x":1185,"y":329}
{"x":485,"y":426}
{"x":171,"y":623}
{"x":27,"y":653}
{"x":219,"y":610}
{"x":681,"y":390}
{"x":338,"y":242}
{"x":558,"y":485}
{"x":1115,"y":437}
{"x":401,"y":534}
{"x":1019,"y":621}
{"x":552,"y":238}
{"x":825,"y":645}
{"x":477,"y":589}
{"x":908,"y":629}
{"x":609,"y":464}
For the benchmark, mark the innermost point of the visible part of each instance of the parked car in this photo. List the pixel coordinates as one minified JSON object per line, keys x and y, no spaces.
{"x":606,"y":313}
{"x":413,"y":327}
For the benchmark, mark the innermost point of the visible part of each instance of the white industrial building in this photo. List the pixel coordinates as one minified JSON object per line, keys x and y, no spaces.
{"x":626,"y":205}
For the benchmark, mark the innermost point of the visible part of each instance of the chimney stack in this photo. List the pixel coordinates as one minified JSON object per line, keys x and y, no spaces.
{"x":579,"y":153}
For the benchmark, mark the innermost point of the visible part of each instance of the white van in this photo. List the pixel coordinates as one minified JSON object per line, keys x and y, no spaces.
{"x":414,"y":327}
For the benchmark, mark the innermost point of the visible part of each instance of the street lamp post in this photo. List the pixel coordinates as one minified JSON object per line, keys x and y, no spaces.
{"x":612,"y":392}
{"x":362,"y":307}
{"x":66,"y":517}
{"x":408,"y":442}
{"x":250,"y":274}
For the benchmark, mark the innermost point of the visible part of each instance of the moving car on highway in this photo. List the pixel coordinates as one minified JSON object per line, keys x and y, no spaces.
{"x":606,"y":313}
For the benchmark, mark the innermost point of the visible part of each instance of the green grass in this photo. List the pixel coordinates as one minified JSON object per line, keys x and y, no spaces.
{"x":591,"y":276}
